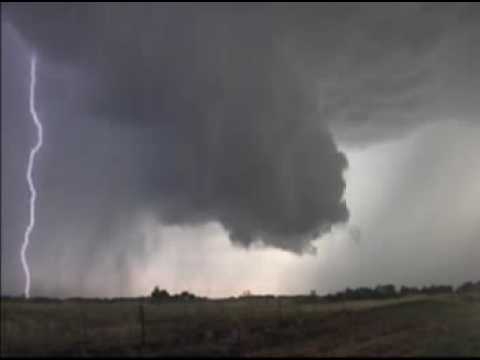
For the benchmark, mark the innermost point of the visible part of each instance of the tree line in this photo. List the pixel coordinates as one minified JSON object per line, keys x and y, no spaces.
{"x":361,"y":293}
{"x":390,"y":291}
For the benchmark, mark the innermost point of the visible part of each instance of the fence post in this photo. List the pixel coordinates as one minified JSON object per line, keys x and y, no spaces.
{"x":142,"y":325}
{"x":84,"y":327}
{"x":279,"y":305}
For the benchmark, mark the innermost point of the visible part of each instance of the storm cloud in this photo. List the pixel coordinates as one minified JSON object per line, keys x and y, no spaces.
{"x":226,"y":113}
{"x":221,"y":127}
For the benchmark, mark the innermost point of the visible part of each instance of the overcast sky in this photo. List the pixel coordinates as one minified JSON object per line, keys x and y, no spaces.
{"x":219,"y":148}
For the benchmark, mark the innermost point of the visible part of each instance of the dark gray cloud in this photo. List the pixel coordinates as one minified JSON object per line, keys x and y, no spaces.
{"x":217,"y":126}
{"x":232,"y":99}
{"x":389,"y":68}
{"x":225,"y":113}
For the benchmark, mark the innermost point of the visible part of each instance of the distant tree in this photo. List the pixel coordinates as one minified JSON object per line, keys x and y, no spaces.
{"x":406,"y":291}
{"x":385,"y":291}
{"x":466,"y":287}
{"x":158,"y":294}
{"x":436,"y":289}
{"x":364,"y":293}
{"x":185,"y":295}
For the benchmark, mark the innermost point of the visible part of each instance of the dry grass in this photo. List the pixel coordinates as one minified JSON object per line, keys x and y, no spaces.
{"x":435,"y":325}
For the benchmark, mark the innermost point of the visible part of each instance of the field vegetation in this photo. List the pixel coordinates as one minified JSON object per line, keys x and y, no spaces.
{"x":408,"y":325}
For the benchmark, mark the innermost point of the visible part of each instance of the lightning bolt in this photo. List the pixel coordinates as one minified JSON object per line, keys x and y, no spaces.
{"x":31,"y":160}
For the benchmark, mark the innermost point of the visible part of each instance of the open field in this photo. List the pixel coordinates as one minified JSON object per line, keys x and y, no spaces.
{"x":420,"y":325}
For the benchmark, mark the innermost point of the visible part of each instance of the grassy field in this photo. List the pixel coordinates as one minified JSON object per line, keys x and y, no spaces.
{"x":446,"y":325}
